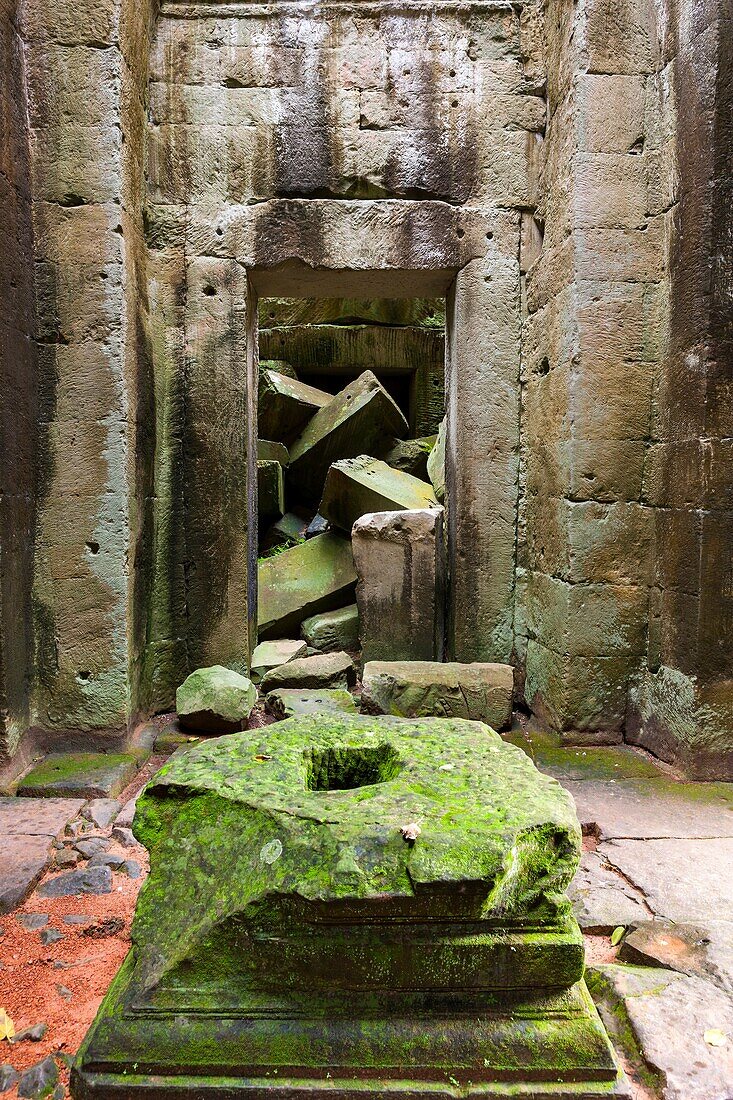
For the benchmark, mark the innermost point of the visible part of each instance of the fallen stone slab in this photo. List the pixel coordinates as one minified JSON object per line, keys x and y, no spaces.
{"x":24,"y":859}
{"x":270,"y":492}
{"x":90,"y":880}
{"x":327,"y":670}
{"x":46,"y":817}
{"x":355,"y":486}
{"x":317,"y":575}
{"x":288,"y":702}
{"x":287,"y":530}
{"x":8,"y":1077}
{"x":272,"y":654}
{"x":270,"y":451}
{"x":400,"y":592}
{"x":215,"y":700}
{"x":333,"y":629}
{"x":317,"y":526}
{"x":32,"y":922}
{"x":285,"y":405}
{"x":704,"y":949}
{"x":416,"y":689}
{"x":411,"y":455}
{"x":602,"y":899}
{"x":124,"y":836}
{"x":361,"y":419}
{"x":280,"y":366}
{"x":669,"y":1016}
{"x":682,"y":880}
{"x":436,"y":463}
{"x":653,"y":808}
{"x":126,"y":814}
{"x":82,"y":774}
{"x":102,"y":811}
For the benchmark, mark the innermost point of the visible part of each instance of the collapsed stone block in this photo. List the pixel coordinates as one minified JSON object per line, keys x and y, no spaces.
{"x":285,"y":405}
{"x":270,"y":491}
{"x":361,"y":419}
{"x":269,"y":451}
{"x":411,"y":455}
{"x":333,"y":629}
{"x":400,"y":594}
{"x":317,"y":575}
{"x":215,"y":700}
{"x":280,"y":366}
{"x":81,"y":775}
{"x":482,"y":692}
{"x":325,"y":670}
{"x":436,"y":464}
{"x":288,"y":702}
{"x":363,"y":903}
{"x":290,"y":528}
{"x":272,"y":654}
{"x":355,"y":486}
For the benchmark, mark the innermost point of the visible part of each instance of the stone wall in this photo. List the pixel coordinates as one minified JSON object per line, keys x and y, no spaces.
{"x":19,"y":408}
{"x":559,"y":173}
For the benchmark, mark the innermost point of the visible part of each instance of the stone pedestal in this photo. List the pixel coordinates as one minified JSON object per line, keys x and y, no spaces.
{"x":346,"y":907}
{"x":400,"y":562}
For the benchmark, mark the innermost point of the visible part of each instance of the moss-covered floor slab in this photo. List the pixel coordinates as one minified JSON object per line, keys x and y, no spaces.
{"x":81,"y":775}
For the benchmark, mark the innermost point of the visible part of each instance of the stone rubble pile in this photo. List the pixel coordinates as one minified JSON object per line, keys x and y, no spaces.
{"x":324,"y":463}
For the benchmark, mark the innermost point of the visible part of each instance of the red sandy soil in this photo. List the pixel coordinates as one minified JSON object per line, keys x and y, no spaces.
{"x":35,"y":980}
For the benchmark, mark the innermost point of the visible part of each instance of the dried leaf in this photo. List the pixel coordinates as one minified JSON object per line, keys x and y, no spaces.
{"x":7,"y":1027}
{"x":411,"y":831}
{"x":617,"y":935}
{"x":714,"y":1037}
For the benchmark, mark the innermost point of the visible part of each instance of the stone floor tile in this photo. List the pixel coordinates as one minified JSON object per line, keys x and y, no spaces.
{"x":704,"y":949}
{"x":682,"y":880}
{"x":668,"y":1015}
{"x":603,"y":899}
{"x":654,"y":808}
{"x":24,"y":859}
{"x":42,"y":817}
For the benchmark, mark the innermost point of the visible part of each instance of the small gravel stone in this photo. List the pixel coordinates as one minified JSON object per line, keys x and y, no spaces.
{"x":65,"y":992}
{"x":39,"y":1081}
{"x":8,"y":1077}
{"x":50,"y":935}
{"x":91,"y":845}
{"x":124,"y":836}
{"x":32,"y":921}
{"x":32,"y":1034}
{"x":131,"y":868}
{"x":67,"y":857}
{"x":92,"y":880}
{"x":107,"y":859}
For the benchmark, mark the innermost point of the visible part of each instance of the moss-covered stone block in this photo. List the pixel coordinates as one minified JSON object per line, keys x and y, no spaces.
{"x":361,"y":419}
{"x":355,"y":486}
{"x":349,"y":900}
{"x":215,"y":700}
{"x":482,"y":691}
{"x":285,"y":405}
{"x":270,"y":491}
{"x":81,"y":775}
{"x":333,"y":629}
{"x":317,"y":575}
{"x":289,"y":702}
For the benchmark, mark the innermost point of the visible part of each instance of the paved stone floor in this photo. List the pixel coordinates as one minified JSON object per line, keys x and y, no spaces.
{"x":656,"y":878}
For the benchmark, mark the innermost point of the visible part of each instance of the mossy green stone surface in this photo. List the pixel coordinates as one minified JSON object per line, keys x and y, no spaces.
{"x":81,"y":775}
{"x":266,"y":823}
{"x":359,"y":485}
{"x":316,"y":575}
{"x":288,"y":702}
{"x":290,"y":941}
{"x":215,"y":699}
